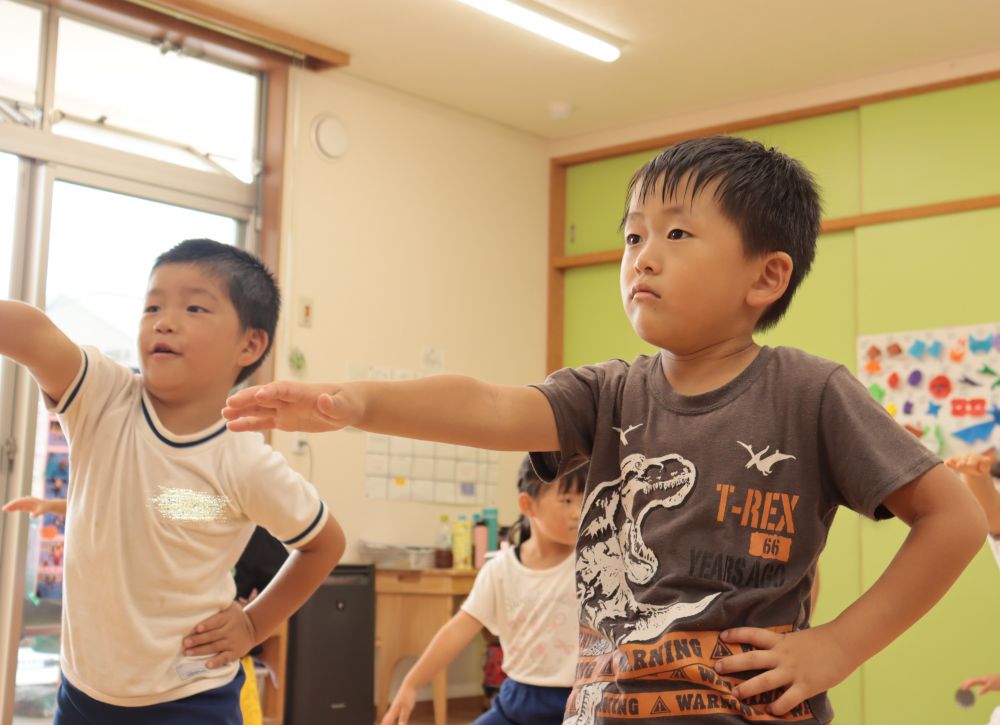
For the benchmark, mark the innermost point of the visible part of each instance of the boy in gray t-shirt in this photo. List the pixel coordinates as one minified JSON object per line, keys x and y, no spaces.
{"x":716,"y":466}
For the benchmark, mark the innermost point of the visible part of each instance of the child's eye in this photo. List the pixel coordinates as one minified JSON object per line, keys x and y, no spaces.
{"x":677,"y":234}
{"x":151,"y":308}
{"x":632,"y":239}
{"x":196,"y":308}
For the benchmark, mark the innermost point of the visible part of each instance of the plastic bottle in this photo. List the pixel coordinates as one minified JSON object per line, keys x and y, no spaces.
{"x":461,"y":543}
{"x":442,"y":545}
{"x":490,"y":517}
{"x":480,"y":542}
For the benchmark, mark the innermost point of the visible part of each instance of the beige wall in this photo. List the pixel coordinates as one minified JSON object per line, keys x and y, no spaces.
{"x":429,"y":232}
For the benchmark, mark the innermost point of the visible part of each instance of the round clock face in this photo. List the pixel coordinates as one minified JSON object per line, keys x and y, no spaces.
{"x":329,"y":136}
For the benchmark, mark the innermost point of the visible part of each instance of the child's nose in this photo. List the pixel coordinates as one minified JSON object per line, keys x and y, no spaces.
{"x":164,"y":324}
{"x":645,"y":261}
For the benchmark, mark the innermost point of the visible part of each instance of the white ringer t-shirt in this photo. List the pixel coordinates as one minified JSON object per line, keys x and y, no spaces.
{"x":155,"y":523}
{"x":534,"y":613}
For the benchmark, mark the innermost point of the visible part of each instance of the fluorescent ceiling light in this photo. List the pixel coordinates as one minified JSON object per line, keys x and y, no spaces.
{"x":547,"y":27}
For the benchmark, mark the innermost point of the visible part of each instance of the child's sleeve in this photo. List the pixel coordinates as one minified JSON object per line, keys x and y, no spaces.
{"x":867,"y":454}
{"x":273,"y":495}
{"x":99,"y":382}
{"x":575,"y":395}
{"x":482,"y":602}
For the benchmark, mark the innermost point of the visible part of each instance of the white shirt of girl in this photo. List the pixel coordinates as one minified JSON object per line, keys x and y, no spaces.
{"x":534,"y":613}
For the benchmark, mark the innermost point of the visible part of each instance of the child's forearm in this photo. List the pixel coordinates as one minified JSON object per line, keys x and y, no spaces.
{"x":446,"y":645}
{"x":300,"y":576}
{"x":29,"y":337}
{"x":461,"y":410}
{"x":941,"y":543}
{"x":985,"y":491}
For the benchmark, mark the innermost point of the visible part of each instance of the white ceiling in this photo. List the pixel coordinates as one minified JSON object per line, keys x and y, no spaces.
{"x":680,"y":57}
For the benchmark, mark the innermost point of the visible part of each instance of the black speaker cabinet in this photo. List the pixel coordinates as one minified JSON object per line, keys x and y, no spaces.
{"x":331,"y":652}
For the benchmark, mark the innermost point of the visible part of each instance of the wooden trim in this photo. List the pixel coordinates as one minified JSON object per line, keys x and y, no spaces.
{"x":557,"y":280}
{"x":770,"y":119}
{"x":144,"y":22}
{"x":912,"y":212}
{"x":316,"y":55}
{"x":588,"y":260}
{"x":272,"y":188}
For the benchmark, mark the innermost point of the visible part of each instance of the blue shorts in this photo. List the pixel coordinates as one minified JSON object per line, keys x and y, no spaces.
{"x":220,"y":706}
{"x":518,"y":704}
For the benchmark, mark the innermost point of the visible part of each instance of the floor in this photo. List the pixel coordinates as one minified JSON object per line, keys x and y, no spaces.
{"x":460,"y":712}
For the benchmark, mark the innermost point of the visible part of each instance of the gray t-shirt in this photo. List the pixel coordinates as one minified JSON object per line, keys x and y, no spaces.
{"x":707,"y":512}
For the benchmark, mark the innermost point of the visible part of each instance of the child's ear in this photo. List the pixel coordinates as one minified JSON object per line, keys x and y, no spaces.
{"x":254,"y":344}
{"x":525,"y":504}
{"x":773,"y":274}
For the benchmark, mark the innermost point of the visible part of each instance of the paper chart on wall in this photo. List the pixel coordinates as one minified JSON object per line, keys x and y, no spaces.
{"x":942,"y":385}
{"x":401,"y":469}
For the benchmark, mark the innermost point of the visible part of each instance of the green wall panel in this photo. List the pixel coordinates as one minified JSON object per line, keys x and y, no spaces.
{"x":820,"y":319}
{"x":596,"y":327}
{"x":595,"y":202}
{"x":829,"y":147}
{"x":932,"y":147}
{"x":931,"y":272}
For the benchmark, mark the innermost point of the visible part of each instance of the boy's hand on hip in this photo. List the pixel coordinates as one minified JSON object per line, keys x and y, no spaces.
{"x":308,"y":407}
{"x":804,"y":663}
{"x":228,"y":635}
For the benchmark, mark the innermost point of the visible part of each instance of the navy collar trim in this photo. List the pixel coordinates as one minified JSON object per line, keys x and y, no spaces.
{"x":172,"y":443}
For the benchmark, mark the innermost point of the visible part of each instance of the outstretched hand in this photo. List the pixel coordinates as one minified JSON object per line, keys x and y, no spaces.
{"x":36,"y":506}
{"x":972,"y":464}
{"x":803,"y":663}
{"x":292,"y":406}
{"x":987,"y":683}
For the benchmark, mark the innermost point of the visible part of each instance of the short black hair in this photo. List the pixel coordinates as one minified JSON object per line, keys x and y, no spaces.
{"x":250,"y":284}
{"x":771,"y":198}
{"x":529,"y":482}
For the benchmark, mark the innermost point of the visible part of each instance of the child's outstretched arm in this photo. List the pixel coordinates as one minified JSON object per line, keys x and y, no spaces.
{"x":974,"y":470}
{"x":36,"y":506}
{"x":29,"y":338}
{"x":442,"y":650}
{"x":234,"y":631}
{"x":947,"y":528}
{"x":987,"y":683}
{"x":444,"y":408}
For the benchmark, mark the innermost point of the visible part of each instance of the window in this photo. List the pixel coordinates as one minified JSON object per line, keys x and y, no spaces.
{"x":154,"y":100}
{"x":20,"y":40}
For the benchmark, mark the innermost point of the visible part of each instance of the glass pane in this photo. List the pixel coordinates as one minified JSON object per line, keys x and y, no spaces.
{"x":20,"y":39}
{"x":8,"y":208}
{"x":101,"y":246}
{"x":126,"y":87}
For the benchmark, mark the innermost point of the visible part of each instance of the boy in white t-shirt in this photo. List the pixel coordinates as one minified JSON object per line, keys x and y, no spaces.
{"x":980,"y":473}
{"x":163,"y":499}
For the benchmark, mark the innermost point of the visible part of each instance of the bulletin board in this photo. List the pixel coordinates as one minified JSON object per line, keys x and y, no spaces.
{"x":942,"y":385}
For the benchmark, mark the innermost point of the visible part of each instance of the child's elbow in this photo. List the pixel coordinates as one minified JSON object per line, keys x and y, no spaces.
{"x":974,"y":526}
